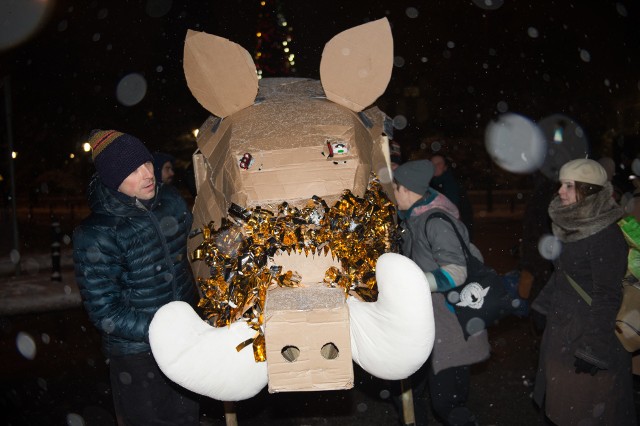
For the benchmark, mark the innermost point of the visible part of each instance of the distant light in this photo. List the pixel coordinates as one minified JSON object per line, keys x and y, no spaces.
{"x":284,"y":23}
{"x":14,"y":154}
{"x":86,"y":147}
{"x":195,"y":132}
{"x":558,"y":135}
{"x":262,"y":3}
{"x":72,"y":155}
{"x":284,"y":43}
{"x":286,"y":49}
{"x":258,"y":34}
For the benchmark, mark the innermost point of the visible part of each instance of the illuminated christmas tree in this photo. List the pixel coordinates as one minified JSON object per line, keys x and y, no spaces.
{"x":273,"y":54}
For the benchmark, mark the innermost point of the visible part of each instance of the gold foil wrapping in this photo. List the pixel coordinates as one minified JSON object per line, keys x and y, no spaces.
{"x":355,"y":231}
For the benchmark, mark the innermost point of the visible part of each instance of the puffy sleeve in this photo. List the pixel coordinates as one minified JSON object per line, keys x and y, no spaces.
{"x":447,"y":253}
{"x":99,"y":268}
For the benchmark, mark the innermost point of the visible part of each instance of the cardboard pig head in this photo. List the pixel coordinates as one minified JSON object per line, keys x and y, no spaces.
{"x":292,"y":215}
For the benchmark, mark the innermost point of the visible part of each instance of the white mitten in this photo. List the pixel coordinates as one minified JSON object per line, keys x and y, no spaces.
{"x":203,"y":359}
{"x":392,"y":337}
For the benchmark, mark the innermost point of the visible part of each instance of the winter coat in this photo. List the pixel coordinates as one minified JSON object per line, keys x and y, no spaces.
{"x":129,"y":261}
{"x":594,"y":254}
{"x":431,"y":245}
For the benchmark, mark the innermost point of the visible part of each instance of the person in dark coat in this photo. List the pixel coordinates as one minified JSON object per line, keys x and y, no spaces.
{"x":446,"y":183}
{"x":584,"y":373}
{"x":130,"y":259}
{"x":163,"y":167}
{"x":434,"y":246}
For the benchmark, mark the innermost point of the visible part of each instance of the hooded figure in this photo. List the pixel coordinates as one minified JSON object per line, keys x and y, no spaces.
{"x":163,"y":167}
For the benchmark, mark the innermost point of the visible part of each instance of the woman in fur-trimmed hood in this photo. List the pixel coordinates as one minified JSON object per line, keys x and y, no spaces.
{"x":584,"y":373}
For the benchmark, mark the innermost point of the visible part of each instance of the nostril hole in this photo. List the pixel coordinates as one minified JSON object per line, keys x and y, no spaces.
{"x":290,"y":353}
{"x":329,"y":351}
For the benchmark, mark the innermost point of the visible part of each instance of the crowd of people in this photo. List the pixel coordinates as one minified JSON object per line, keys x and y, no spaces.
{"x":131,"y":258}
{"x":584,"y":374}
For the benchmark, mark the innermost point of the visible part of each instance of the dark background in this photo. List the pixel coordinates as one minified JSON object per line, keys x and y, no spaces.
{"x":459,"y":64}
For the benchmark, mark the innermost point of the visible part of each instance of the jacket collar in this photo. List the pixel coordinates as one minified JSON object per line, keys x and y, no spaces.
{"x":106,"y":201}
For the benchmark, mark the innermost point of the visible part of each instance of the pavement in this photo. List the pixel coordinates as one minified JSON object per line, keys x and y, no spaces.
{"x":34,"y":290}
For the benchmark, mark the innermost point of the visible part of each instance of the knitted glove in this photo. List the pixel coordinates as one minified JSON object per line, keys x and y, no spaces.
{"x":583,"y":366}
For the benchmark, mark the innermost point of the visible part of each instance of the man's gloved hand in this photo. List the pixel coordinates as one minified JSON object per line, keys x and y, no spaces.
{"x":583,"y":366}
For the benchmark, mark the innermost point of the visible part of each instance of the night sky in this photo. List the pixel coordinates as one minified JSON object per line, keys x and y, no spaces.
{"x":467,"y":62}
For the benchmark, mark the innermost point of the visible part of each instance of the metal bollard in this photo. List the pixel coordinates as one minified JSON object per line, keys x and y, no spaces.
{"x":56,"y":235}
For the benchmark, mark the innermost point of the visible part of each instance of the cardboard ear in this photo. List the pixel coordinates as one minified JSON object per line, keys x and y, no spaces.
{"x":220,"y":74}
{"x":356,"y":65}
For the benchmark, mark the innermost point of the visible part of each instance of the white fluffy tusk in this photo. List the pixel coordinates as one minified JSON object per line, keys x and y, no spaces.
{"x":392,"y":337}
{"x":203,"y":359}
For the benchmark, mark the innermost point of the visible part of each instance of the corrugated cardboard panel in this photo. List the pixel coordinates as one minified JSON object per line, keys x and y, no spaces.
{"x":287,"y":134}
{"x":199,"y":169}
{"x":200,"y":218}
{"x":308,"y":319}
{"x":311,"y":268}
{"x":209,"y":207}
{"x":274,"y":178}
{"x":214,"y":144}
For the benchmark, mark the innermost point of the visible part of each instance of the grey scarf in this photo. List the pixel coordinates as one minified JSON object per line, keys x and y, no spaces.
{"x":585,"y":217}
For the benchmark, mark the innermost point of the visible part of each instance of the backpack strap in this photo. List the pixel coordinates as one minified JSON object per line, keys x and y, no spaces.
{"x":465,"y":248}
{"x":578,"y":288}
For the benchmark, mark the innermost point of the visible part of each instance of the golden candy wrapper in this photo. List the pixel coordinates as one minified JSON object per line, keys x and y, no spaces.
{"x":355,"y":231}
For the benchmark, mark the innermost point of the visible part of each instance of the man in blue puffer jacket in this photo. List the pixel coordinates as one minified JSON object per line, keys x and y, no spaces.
{"x":130,"y":259}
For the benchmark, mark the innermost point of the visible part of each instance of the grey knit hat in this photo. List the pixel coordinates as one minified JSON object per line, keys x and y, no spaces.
{"x":415,"y":175}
